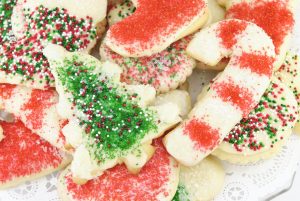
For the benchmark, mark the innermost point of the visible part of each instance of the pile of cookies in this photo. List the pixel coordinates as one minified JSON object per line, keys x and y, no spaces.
{"x":121,"y":123}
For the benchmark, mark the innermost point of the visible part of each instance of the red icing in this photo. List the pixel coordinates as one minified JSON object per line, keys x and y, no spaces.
{"x":153,"y":21}
{"x":23,"y":153}
{"x":205,"y":137}
{"x":260,"y":64}
{"x":229,"y":30}
{"x":6,"y":90}
{"x":236,"y":95}
{"x":38,"y":103}
{"x":274,"y":17}
{"x":118,"y":184}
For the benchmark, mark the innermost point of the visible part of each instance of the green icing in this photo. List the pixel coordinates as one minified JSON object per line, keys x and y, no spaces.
{"x":181,"y":194}
{"x":113,"y":121}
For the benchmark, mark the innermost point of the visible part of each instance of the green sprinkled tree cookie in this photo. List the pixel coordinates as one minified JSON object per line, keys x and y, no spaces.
{"x":109,"y":122}
{"x":35,"y":23}
{"x":265,"y":130}
{"x":289,"y":74}
{"x":201,"y":182}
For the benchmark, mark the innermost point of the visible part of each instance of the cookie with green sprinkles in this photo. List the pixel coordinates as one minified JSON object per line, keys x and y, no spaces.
{"x":164,"y":71}
{"x":265,"y":130}
{"x":37,"y":23}
{"x":201,"y":182}
{"x":289,"y":74}
{"x":113,"y":121}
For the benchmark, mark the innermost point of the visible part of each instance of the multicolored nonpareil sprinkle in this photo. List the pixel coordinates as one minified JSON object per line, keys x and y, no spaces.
{"x":24,"y":57}
{"x":6,"y":9}
{"x":164,"y":70}
{"x":114,"y":122}
{"x":272,"y":115}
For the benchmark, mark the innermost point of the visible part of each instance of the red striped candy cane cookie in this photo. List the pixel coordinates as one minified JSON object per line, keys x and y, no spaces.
{"x":157,"y":180}
{"x":25,"y":156}
{"x":275,"y":17}
{"x":36,"y":109}
{"x":232,"y":95}
{"x":155,"y":25}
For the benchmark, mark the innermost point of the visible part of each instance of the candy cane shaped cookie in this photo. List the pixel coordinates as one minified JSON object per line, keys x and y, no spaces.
{"x":157,"y":181}
{"x":25,"y":156}
{"x":155,"y":25}
{"x":275,"y":17}
{"x":233,"y":94}
{"x":36,"y":109}
{"x":115,"y":121}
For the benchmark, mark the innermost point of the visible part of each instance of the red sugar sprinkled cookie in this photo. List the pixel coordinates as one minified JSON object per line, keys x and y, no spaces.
{"x":25,"y":156}
{"x":155,"y":25}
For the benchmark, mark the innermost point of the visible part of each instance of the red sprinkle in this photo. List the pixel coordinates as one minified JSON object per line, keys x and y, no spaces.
{"x":6,"y":90}
{"x":260,"y":64}
{"x":238,"y":96}
{"x":38,"y":103}
{"x":205,"y":137}
{"x":154,"y":20}
{"x":24,"y":153}
{"x":118,"y":184}
{"x":229,"y":30}
{"x":273,"y":16}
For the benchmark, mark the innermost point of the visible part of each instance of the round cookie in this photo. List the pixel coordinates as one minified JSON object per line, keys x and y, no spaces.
{"x":201,"y":182}
{"x":36,"y":109}
{"x":275,"y":17}
{"x":36,"y":23}
{"x":157,"y":180}
{"x":289,"y":74}
{"x":114,"y":122}
{"x":152,"y":27}
{"x":164,"y":71}
{"x":262,"y":134}
{"x":24,"y":156}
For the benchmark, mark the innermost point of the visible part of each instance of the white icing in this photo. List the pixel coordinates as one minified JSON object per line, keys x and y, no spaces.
{"x":73,"y":133}
{"x":146,"y":93}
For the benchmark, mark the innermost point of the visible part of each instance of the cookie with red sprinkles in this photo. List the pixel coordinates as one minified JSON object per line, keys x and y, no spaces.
{"x":289,"y":74}
{"x":114,"y":122}
{"x":164,"y":71}
{"x":157,"y":180}
{"x":36,"y":23}
{"x":155,"y":25}
{"x":275,"y":17}
{"x":25,"y":156}
{"x":36,"y":109}
{"x":262,"y":134}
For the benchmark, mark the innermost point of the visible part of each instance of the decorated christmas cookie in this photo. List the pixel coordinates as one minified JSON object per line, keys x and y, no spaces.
{"x":201,"y":182}
{"x":275,"y":17}
{"x":265,"y":130}
{"x":289,"y":74}
{"x":155,"y":25}
{"x":36,"y":109}
{"x":165,"y":70}
{"x":112,"y":122}
{"x":25,"y":156}
{"x":157,"y":180}
{"x":35,"y":23}
{"x":120,"y":11}
{"x":233,"y":94}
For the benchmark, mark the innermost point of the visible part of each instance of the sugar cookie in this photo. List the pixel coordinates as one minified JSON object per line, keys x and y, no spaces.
{"x":233,"y":94}
{"x":157,"y":180}
{"x":112,"y":120}
{"x":25,"y":156}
